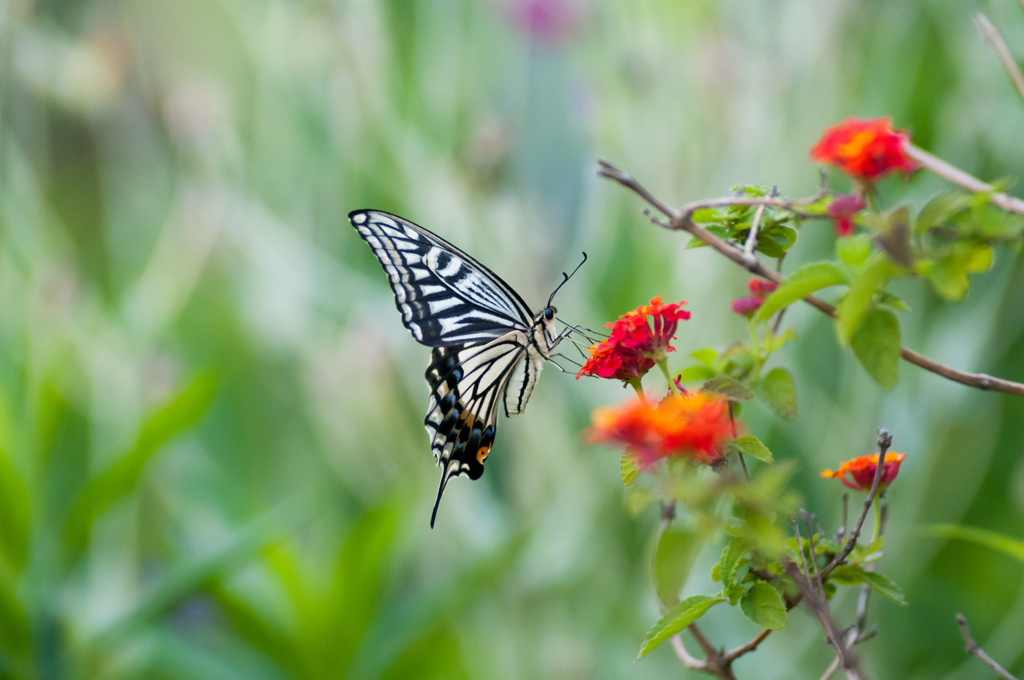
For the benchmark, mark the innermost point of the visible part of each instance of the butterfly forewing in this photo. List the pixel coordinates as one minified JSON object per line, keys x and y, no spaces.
{"x":444,"y":295}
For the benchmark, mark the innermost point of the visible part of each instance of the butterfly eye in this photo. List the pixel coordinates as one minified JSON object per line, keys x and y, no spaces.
{"x":549,"y":313}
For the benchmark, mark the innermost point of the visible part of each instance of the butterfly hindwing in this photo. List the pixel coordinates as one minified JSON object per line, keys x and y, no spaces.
{"x":445,"y":296}
{"x":466,"y":384}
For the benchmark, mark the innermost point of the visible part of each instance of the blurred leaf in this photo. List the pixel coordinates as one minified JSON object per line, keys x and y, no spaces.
{"x":855,"y":250}
{"x":731,"y":389}
{"x":673,"y":558}
{"x":948,"y":276}
{"x":167,"y":420}
{"x":803,"y":282}
{"x":628,"y":469}
{"x":887,"y":298}
{"x":678,"y":618}
{"x":764,"y":606}
{"x":750,"y":445}
{"x":694,"y":373}
{"x":732,"y":558}
{"x":778,"y":391}
{"x":876,"y":344}
{"x":15,"y":627}
{"x":186,"y":578}
{"x":869,"y":281}
{"x":940,"y":210}
{"x":776,"y":241}
{"x":989,"y":539}
{"x":15,"y":505}
{"x":894,"y":237}
{"x":776,"y":342}
{"x":705,"y":355}
{"x":852,"y":574}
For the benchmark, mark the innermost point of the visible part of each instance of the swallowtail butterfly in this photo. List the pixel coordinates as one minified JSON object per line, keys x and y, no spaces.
{"x":488,"y":348}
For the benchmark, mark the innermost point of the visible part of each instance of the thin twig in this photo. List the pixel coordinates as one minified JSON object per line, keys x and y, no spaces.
{"x":973,"y":648}
{"x":682,"y":221}
{"x":848,"y":660}
{"x":884,"y":442}
{"x":737,"y":652}
{"x":967,"y":181}
{"x":998,"y":45}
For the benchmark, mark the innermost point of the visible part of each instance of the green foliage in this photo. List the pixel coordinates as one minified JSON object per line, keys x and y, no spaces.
{"x":628,"y":469}
{"x":677,"y":618}
{"x":750,"y":445}
{"x":1005,"y":544}
{"x":777,"y":390}
{"x":807,"y":280}
{"x":763,"y":605}
{"x":673,"y":559}
{"x":876,"y":344}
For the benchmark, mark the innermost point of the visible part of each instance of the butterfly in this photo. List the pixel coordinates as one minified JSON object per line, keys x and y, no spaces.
{"x":488,"y":348}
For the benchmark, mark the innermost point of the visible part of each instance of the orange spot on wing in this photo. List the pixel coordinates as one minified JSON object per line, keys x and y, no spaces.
{"x":481,"y":454}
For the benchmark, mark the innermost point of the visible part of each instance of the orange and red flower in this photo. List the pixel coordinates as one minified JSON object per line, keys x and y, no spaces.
{"x":692,"y":425}
{"x":636,"y":344}
{"x":843,"y":209}
{"x":865,"y":149}
{"x":863,"y":470}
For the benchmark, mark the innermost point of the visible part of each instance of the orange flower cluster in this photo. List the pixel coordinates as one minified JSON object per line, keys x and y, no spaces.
{"x":635,"y":345}
{"x":863,"y":469}
{"x":683,"y":425}
{"x":865,"y":149}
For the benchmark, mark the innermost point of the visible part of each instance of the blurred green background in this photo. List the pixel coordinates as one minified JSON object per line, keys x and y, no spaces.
{"x":212,"y":463}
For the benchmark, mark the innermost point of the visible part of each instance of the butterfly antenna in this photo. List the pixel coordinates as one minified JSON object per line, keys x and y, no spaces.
{"x":566,"y":278}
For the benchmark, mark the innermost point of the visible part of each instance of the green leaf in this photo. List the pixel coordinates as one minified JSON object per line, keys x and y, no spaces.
{"x":894,"y":237}
{"x":887,"y":298}
{"x":860,"y":299}
{"x":695,"y":373}
{"x":15,"y":504}
{"x":178,"y":413}
{"x":852,"y":574}
{"x":876,"y":344}
{"x":678,"y":618}
{"x":803,"y":282}
{"x":732,"y":557}
{"x":673,"y":559}
{"x":776,"y":241}
{"x":949,"y":277}
{"x":731,"y":389}
{"x":854,"y":250}
{"x":750,"y":445}
{"x":705,"y":355}
{"x":778,"y":391}
{"x":940,"y":210}
{"x":628,"y":469}
{"x":764,"y":606}
{"x":776,"y":342}
{"x":989,"y":539}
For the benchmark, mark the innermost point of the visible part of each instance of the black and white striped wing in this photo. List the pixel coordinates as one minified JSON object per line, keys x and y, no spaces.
{"x":467,"y":383}
{"x":446,"y":297}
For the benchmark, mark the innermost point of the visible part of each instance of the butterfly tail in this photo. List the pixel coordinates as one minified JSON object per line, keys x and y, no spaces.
{"x":446,"y":474}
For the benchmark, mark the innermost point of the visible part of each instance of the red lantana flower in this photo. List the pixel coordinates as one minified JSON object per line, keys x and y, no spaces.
{"x":865,"y":149}
{"x":692,"y":425}
{"x":843,"y":209}
{"x":863,"y":469}
{"x":760,"y":288}
{"x":639,"y":339}
{"x":746,"y":306}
